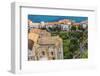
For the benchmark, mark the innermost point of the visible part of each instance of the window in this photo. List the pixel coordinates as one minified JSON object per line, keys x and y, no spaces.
{"x":43,"y":53}
{"x":52,"y":53}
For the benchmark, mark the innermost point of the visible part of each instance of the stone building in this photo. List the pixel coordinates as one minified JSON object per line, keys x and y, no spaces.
{"x":45,"y":46}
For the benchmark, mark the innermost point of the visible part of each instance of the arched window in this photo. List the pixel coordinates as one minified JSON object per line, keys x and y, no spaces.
{"x":43,"y":53}
{"x":52,"y":53}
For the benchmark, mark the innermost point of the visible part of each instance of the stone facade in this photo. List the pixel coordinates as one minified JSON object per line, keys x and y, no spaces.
{"x":46,"y":47}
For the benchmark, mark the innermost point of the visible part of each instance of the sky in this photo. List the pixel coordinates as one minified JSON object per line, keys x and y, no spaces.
{"x":51,"y":18}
